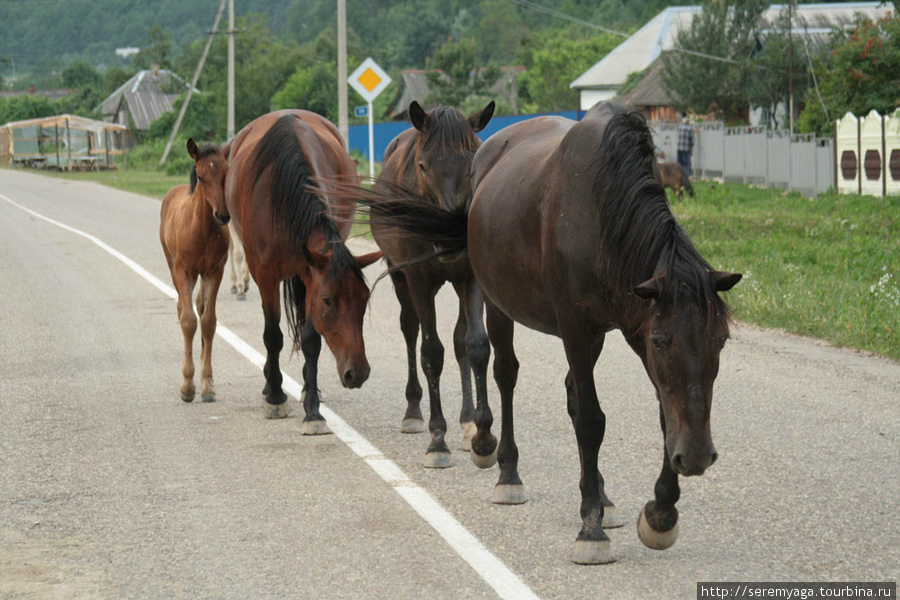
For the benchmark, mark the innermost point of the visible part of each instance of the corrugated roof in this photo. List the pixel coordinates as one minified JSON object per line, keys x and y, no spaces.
{"x":74,"y":122}
{"x":649,"y":91}
{"x":815,"y":21}
{"x":146,"y":96}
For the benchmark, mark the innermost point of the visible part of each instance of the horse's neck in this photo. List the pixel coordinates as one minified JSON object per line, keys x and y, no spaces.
{"x":202,"y":210}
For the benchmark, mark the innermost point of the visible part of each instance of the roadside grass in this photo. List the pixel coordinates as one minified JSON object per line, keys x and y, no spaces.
{"x":827,"y":267}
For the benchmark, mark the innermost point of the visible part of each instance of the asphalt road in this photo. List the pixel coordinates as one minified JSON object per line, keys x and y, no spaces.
{"x":112,"y":488}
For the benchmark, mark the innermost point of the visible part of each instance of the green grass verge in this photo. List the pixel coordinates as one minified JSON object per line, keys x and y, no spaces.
{"x":827,"y":267}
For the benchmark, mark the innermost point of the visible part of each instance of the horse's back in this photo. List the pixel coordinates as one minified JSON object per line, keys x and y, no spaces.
{"x":506,"y":218}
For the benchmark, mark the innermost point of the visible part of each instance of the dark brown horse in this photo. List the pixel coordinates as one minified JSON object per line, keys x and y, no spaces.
{"x":290,"y":233}
{"x":674,"y":177}
{"x":569,"y":232}
{"x":195,"y":241}
{"x":431,"y":163}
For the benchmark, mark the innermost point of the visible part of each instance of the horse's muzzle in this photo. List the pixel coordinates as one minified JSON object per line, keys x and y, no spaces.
{"x":354,"y":378}
{"x":222,"y":219}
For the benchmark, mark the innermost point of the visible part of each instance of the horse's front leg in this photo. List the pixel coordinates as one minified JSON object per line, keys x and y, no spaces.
{"x":276,"y":405}
{"x":311,"y":345}
{"x":658,"y":522}
{"x":611,"y":518}
{"x":592,"y":545}
{"x":409,"y":325}
{"x":209,"y":289}
{"x":184,"y":284}
{"x":437,"y":456}
{"x":469,"y":338}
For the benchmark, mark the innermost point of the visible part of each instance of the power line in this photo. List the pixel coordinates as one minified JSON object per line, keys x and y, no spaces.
{"x":559,"y":15}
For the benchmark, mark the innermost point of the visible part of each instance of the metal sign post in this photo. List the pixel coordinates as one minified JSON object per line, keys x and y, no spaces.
{"x":369,"y":80}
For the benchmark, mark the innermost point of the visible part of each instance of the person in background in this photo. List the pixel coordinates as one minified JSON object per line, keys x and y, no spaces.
{"x":685,"y":145}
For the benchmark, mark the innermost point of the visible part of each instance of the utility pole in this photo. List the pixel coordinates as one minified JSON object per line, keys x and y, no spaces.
{"x":230,"y":121}
{"x":791,"y":65}
{"x":343,"y":125}
{"x":190,"y":91}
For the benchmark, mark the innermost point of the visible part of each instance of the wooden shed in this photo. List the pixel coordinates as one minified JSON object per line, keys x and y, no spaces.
{"x":65,"y":142}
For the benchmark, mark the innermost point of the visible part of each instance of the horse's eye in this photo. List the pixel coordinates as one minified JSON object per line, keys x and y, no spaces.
{"x":200,"y":179}
{"x":327,"y":302}
{"x":661,"y":343}
{"x":423,"y":167}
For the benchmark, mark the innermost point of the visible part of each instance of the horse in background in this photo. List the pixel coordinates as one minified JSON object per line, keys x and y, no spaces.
{"x":194,"y":238}
{"x":673,"y":176}
{"x":240,"y":273}
{"x":570,"y":233}
{"x":294,"y":235}
{"x":430,"y":164}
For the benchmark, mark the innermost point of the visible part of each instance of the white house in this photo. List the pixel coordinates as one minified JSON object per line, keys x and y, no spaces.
{"x":815,"y":21}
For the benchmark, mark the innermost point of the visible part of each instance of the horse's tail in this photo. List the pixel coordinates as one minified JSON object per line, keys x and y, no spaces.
{"x":393,"y":205}
{"x":294,"y":308}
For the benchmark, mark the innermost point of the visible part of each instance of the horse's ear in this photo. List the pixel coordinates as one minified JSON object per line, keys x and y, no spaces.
{"x":650,"y":289}
{"x":417,"y":115}
{"x":723,"y":281}
{"x":319,"y":261}
{"x":479,"y":120}
{"x":367,"y":259}
{"x":192,"y":148}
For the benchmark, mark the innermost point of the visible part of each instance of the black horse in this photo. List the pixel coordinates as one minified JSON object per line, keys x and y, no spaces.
{"x":570,"y":233}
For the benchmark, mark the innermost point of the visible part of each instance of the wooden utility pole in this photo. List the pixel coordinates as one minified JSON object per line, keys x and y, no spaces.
{"x":791,"y":65}
{"x":190,"y":91}
{"x":343,"y":125}
{"x":230,"y":122}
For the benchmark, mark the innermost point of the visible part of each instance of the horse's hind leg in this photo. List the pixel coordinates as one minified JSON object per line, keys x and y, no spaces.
{"x":276,"y":404}
{"x":469,"y":338}
{"x":509,"y":488}
{"x":209,"y":289}
{"x":184,"y":284}
{"x":658,"y":522}
{"x":409,"y":325}
{"x":311,"y":345}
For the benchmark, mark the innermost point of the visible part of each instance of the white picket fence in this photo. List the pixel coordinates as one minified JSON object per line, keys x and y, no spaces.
{"x":867,"y":154}
{"x":804,"y":163}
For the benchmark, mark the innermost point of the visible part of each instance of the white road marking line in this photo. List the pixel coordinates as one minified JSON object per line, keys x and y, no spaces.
{"x":507,"y":584}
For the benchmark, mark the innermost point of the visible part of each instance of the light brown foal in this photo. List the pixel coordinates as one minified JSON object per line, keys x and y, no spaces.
{"x":195,"y":240}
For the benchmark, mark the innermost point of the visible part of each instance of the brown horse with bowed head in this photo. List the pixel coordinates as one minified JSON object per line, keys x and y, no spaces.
{"x":195,"y":241}
{"x":430,"y":163}
{"x":294,"y":235}
{"x":570,"y":233}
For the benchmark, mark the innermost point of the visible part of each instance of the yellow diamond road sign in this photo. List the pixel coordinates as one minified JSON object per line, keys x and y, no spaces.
{"x":369,"y":80}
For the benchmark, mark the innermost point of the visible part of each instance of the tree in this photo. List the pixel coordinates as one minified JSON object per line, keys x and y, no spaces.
{"x":768,"y":80}
{"x":454,"y":73}
{"x":694,"y":71}
{"x":555,"y":59}
{"x":857,"y":73}
{"x":158,"y":50}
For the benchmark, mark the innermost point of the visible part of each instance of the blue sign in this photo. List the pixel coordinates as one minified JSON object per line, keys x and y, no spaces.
{"x":361,"y":111}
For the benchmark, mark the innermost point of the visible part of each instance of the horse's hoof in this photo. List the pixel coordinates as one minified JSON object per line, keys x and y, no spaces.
{"x":277,"y":411}
{"x":484,"y":462}
{"x":208,"y":397}
{"x":437,"y":460}
{"x":317,"y":427}
{"x":233,"y":290}
{"x":413,"y":426}
{"x":655,"y":540}
{"x":242,"y":296}
{"x":590,"y":552}
{"x":469,"y":430}
{"x":186,"y":398}
{"x":611,"y":518}
{"x":509,"y":493}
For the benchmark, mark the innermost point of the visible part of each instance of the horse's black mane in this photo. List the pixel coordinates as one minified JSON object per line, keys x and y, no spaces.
{"x":448,"y":130}
{"x":295,"y":209}
{"x":202,"y":152}
{"x":639,"y":234}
